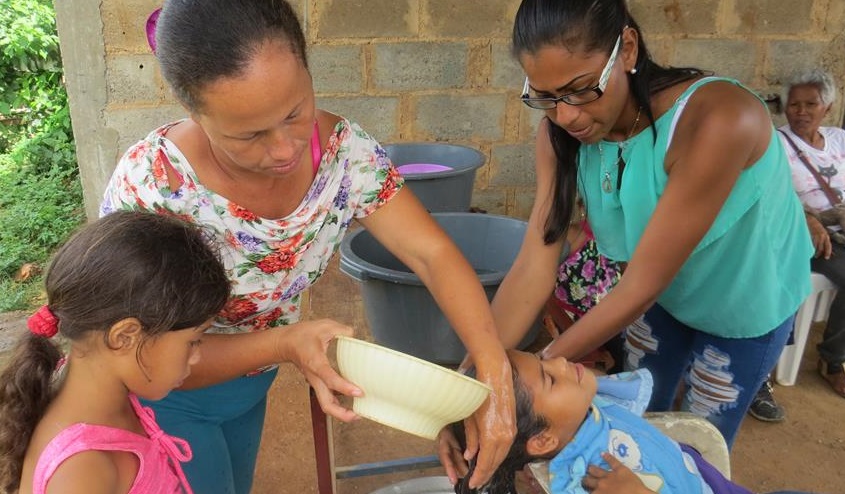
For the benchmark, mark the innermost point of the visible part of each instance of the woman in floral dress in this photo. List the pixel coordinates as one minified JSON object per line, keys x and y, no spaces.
{"x":276,"y":183}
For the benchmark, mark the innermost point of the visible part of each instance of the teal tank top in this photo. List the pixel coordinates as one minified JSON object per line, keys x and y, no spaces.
{"x":751,"y":270}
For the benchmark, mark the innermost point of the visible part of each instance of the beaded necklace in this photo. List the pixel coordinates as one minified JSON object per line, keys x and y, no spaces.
{"x":606,"y":184}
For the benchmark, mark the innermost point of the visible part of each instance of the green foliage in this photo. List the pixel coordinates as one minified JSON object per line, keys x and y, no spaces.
{"x":15,"y":295}
{"x":37,"y":212}
{"x":40,"y":193}
{"x":49,"y":146}
{"x":30,"y":68}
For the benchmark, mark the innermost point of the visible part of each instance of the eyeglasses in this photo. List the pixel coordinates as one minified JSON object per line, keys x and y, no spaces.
{"x":576,"y":98}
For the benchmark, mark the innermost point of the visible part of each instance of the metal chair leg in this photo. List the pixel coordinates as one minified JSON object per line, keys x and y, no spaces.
{"x":322,"y":446}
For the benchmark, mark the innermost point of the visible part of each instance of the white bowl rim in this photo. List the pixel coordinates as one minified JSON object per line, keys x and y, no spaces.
{"x":426,"y":363}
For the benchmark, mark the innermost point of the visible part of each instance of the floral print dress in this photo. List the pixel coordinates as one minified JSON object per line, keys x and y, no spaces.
{"x":269,"y":261}
{"x":584,"y":278}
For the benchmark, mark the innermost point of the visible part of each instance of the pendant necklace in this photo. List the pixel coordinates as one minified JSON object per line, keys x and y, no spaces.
{"x":606,"y":183}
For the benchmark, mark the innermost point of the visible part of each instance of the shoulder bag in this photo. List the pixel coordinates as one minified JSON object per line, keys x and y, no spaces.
{"x":832,"y":196}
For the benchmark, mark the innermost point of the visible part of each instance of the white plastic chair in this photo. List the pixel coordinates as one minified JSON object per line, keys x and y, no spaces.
{"x":814,"y":309}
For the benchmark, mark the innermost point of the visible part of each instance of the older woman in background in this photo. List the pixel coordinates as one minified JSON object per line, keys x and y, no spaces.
{"x":817,"y":159}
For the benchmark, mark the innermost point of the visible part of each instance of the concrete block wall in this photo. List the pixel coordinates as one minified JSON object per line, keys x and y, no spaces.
{"x":430,"y":70}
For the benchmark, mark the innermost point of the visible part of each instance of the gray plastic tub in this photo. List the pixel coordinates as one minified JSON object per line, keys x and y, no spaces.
{"x":400,"y":310}
{"x":442,"y":191}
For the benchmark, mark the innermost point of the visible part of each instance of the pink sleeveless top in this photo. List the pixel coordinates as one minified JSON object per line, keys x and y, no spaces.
{"x":159,"y":455}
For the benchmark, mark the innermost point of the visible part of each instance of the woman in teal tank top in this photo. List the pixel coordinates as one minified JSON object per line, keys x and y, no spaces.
{"x":683,"y":179}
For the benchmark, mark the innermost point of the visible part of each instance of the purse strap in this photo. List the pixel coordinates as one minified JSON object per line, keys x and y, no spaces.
{"x":832,"y":196}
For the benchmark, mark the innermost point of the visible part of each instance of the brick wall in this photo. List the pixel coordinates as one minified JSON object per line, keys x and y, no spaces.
{"x":424,"y":70}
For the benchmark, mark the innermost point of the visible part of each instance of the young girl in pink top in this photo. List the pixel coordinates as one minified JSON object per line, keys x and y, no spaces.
{"x":131,"y":294}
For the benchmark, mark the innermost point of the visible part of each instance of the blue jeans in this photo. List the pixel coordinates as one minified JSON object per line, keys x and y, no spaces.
{"x":223,"y":425}
{"x":720,"y":375}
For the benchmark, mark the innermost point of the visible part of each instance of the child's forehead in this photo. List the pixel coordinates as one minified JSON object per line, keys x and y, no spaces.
{"x":519,"y":354}
{"x":528,"y":365}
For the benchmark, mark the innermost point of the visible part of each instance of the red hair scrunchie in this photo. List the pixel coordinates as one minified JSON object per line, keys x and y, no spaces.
{"x":43,"y":323}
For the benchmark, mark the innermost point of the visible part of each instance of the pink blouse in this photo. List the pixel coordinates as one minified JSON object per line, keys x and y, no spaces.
{"x":159,"y":455}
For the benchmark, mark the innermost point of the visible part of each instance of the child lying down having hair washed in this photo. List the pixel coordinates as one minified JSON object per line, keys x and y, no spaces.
{"x":591,"y":432}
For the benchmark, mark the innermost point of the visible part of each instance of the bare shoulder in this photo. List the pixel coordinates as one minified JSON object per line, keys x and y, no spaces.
{"x":723,"y":115}
{"x":714,"y":98}
{"x":662,"y":101}
{"x":326,"y":122}
{"x":187,"y":135}
{"x":327,"y":118}
{"x":88,"y":472}
{"x":729,"y":110}
{"x":727,"y":99}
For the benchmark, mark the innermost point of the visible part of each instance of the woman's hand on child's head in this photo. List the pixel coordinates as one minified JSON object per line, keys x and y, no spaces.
{"x":618,"y":480}
{"x":491,"y":429}
{"x":305,"y":345}
{"x":451,"y":455}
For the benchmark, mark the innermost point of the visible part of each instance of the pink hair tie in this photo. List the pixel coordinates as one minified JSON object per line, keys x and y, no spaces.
{"x":152,"y":21}
{"x":43,"y":323}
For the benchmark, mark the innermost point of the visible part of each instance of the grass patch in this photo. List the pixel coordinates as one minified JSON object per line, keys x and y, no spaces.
{"x":39,"y":209}
{"x":40,"y":193}
{"x":20,"y":295}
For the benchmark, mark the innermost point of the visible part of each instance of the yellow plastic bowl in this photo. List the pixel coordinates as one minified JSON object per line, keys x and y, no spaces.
{"x":405,"y":392}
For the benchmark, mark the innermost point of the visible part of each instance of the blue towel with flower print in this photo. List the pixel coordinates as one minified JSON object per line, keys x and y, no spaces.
{"x":614,"y":424}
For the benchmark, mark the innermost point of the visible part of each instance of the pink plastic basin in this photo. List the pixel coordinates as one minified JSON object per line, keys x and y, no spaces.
{"x":412,"y":168}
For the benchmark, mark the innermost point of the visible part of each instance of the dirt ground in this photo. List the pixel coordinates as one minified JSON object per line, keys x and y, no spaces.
{"x":806,"y":452}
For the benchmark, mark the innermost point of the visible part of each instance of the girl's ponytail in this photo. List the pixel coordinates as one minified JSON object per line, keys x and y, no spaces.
{"x":170,"y":279}
{"x":25,"y":393}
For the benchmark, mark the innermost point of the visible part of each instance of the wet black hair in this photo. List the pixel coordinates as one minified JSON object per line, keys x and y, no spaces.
{"x":157,"y":269}
{"x":528,"y":425}
{"x":201,"y":41}
{"x":588,"y":26}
